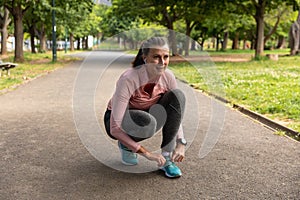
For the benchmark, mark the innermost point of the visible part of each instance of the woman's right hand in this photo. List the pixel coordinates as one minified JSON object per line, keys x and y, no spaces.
{"x":155,"y":157}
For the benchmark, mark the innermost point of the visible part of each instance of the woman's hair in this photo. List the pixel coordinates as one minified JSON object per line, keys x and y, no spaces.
{"x":153,"y":42}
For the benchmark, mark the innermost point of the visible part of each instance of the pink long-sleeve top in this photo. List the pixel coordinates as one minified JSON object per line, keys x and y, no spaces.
{"x":132,"y":92}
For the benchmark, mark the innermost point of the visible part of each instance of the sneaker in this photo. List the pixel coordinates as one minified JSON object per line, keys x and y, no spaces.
{"x":128,"y":157}
{"x":171,"y":170}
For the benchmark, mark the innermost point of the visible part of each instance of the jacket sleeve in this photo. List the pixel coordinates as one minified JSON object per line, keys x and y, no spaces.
{"x":120,"y":102}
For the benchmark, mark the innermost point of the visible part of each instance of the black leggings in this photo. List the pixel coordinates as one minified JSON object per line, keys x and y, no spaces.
{"x":167,"y":113}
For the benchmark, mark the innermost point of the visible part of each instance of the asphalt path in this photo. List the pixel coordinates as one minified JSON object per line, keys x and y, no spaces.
{"x":53,"y":145}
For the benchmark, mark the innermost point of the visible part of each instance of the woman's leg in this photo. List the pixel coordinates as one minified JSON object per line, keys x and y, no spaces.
{"x":138,"y":124}
{"x":174,"y":105}
{"x":107,"y":123}
{"x":168,"y":113}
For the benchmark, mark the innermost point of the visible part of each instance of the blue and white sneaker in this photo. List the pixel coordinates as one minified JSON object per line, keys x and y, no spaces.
{"x":170,"y":168}
{"x":128,"y":157}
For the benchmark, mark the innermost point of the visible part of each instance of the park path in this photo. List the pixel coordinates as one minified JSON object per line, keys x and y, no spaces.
{"x":45,"y":153}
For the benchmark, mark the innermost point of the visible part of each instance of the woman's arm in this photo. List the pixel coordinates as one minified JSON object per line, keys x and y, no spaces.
{"x":120,"y":101}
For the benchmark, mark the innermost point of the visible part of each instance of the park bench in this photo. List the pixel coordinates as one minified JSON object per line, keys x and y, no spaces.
{"x":6,"y":66}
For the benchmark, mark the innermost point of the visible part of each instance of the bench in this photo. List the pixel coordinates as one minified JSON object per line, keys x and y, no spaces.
{"x":6,"y":67}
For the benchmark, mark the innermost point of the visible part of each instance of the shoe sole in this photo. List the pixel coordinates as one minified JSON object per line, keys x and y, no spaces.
{"x":168,"y":175}
{"x":128,"y":164}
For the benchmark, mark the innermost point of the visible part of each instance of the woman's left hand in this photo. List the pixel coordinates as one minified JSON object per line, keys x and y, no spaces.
{"x":178,"y":153}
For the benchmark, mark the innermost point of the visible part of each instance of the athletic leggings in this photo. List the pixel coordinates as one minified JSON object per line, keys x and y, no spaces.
{"x":166,"y":114}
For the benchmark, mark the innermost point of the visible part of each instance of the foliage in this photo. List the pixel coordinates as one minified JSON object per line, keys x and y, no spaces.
{"x":199,"y":19}
{"x":73,"y":15}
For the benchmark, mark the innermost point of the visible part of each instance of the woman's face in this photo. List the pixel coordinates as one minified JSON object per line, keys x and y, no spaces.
{"x":156,"y":61}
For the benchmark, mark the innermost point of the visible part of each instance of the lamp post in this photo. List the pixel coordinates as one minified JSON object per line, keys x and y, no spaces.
{"x":54,"y":56}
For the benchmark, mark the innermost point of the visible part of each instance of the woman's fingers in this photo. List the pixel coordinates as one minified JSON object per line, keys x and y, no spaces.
{"x":177,"y":157}
{"x":180,"y":158}
{"x":162,"y":161}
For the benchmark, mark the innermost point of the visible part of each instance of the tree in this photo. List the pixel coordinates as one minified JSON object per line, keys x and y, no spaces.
{"x":282,"y":33}
{"x":200,"y":34}
{"x":94,"y":21}
{"x":4,"y":22}
{"x":18,"y":8}
{"x":195,"y":13}
{"x":165,"y":13}
{"x":37,"y":19}
{"x":72,"y":16}
{"x":258,"y":9}
{"x":277,"y":14}
{"x":295,"y":33}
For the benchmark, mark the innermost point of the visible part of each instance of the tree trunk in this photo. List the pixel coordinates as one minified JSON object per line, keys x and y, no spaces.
{"x":253,"y":43}
{"x":235,"y":43}
{"x":225,"y":41}
{"x":4,"y":31}
{"x":193,"y":45}
{"x":18,"y":18}
{"x":124,"y":42}
{"x":32,"y":36}
{"x":87,"y":43}
{"x":281,"y":42}
{"x":188,"y":30}
{"x":78,"y":43}
{"x":217,"y":43}
{"x":71,"y":42}
{"x":187,"y":43}
{"x":213,"y":41}
{"x":172,"y":35}
{"x":83,"y":43}
{"x":4,"y":35}
{"x":294,"y":36}
{"x":202,"y":44}
{"x":259,"y":18}
{"x":244,"y":44}
{"x":43,"y":38}
{"x":172,"y":41}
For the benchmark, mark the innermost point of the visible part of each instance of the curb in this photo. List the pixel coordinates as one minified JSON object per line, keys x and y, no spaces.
{"x":262,"y":119}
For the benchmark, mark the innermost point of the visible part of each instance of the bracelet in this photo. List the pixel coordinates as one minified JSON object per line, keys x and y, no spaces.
{"x":142,"y":150}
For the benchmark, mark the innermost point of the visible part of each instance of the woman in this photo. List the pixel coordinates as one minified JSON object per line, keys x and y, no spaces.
{"x":147,"y":99}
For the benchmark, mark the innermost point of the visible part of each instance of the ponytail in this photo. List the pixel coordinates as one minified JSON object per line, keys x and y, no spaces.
{"x":138,"y":59}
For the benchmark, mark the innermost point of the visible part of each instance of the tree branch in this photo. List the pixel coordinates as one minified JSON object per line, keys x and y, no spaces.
{"x":273,"y":30}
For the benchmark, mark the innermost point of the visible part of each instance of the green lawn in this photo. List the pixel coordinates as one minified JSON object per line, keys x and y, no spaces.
{"x":33,"y":66}
{"x":271,"y":88}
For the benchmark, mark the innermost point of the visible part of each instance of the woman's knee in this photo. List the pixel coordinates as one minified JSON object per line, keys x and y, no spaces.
{"x":138,"y":123}
{"x":179,"y":95}
{"x":175,"y":97}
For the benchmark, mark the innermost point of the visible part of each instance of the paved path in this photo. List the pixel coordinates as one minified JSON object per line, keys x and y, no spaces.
{"x":49,"y":149}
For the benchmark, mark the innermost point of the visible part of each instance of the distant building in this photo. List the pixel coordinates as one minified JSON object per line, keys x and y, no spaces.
{"x":10,"y":44}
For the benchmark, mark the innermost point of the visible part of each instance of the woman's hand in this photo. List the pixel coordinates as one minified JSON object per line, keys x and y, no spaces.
{"x":178,"y":153}
{"x":155,"y":157}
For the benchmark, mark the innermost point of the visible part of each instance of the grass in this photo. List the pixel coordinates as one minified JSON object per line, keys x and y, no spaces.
{"x":33,"y":66}
{"x":271,"y":88}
